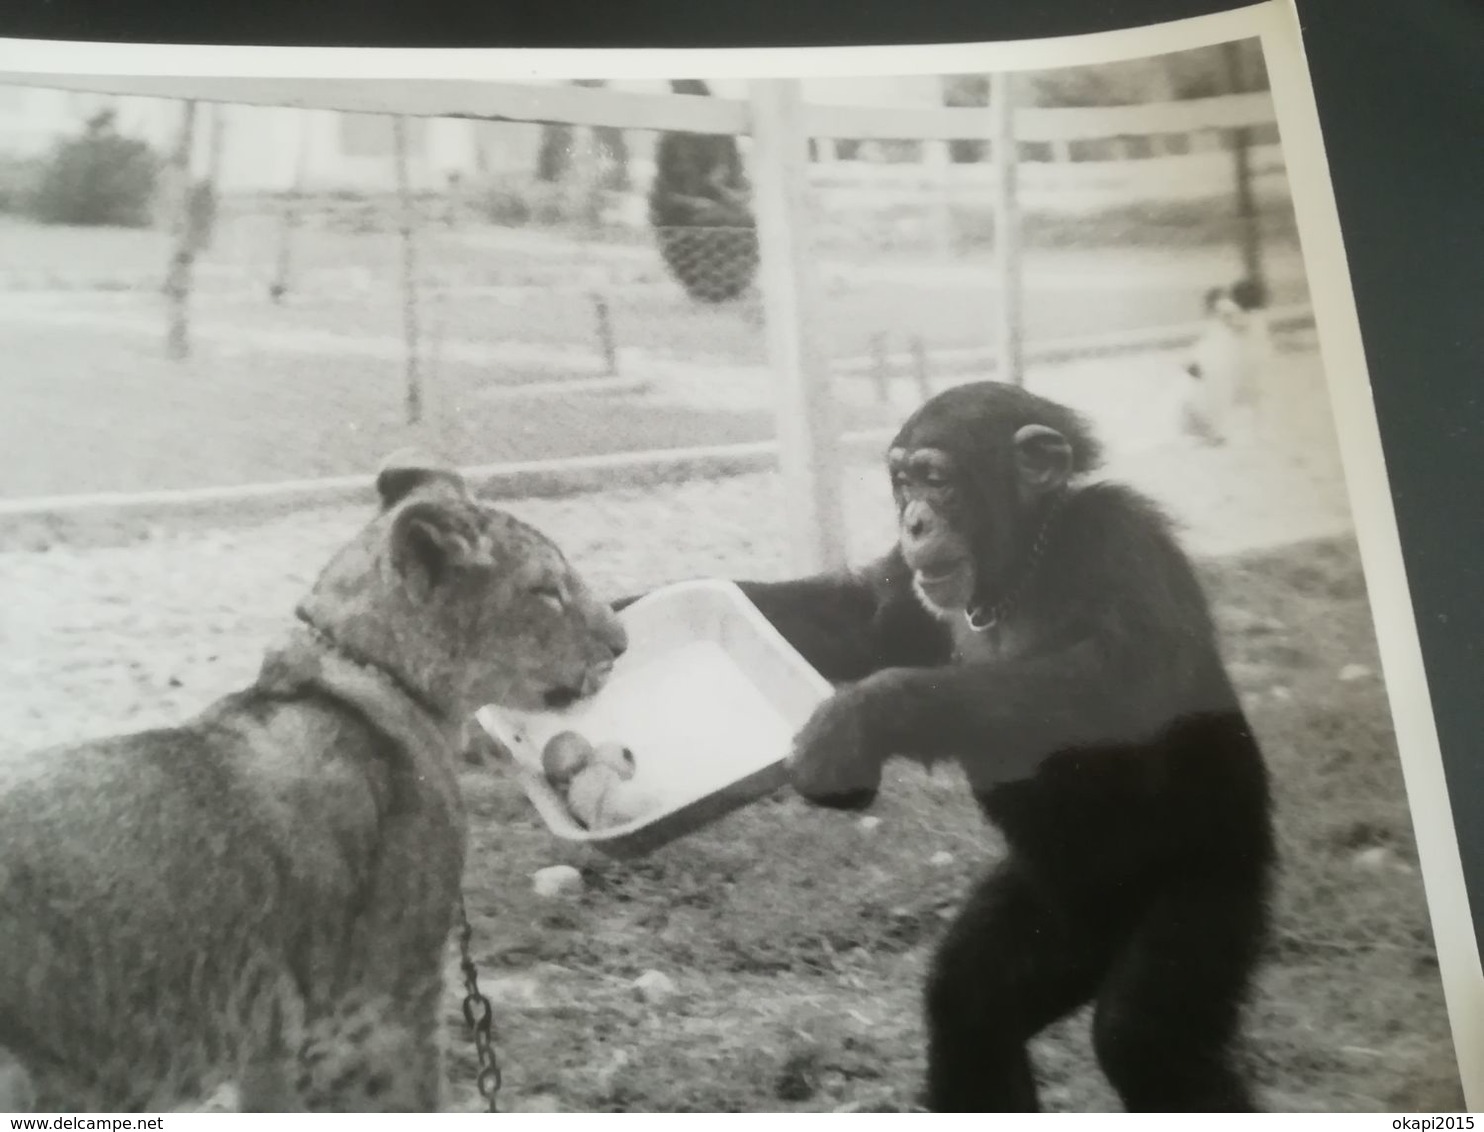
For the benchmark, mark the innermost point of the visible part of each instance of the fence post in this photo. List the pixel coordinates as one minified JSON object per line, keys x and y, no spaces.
{"x":921,"y":370}
{"x":1248,"y":221}
{"x":605,"y":333}
{"x":938,"y":164}
{"x":183,"y":255}
{"x":291,"y":201}
{"x":1010,"y":321}
{"x":880,"y":368}
{"x":808,"y":440}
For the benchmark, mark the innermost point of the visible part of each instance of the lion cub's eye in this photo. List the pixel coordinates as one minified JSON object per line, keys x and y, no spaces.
{"x":549,"y":594}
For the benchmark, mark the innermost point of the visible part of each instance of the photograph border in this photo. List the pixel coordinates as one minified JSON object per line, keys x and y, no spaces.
{"x":1275,"y":23}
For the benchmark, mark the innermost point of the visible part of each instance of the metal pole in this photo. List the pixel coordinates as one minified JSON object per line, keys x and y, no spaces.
{"x":409,"y":270}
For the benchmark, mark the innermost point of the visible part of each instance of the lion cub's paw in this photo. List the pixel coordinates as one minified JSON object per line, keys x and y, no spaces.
{"x":367,"y":1062}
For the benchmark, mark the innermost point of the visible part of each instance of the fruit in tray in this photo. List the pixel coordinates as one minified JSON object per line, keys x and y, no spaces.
{"x":597,"y":781}
{"x":563,"y":756}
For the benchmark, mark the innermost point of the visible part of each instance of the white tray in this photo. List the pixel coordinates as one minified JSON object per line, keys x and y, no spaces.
{"x":708,"y":697}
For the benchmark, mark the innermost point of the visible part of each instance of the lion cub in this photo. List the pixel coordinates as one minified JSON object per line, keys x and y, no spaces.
{"x":256,"y":903}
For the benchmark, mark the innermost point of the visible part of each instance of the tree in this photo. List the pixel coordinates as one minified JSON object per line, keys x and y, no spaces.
{"x":98,"y":178}
{"x":559,"y":141}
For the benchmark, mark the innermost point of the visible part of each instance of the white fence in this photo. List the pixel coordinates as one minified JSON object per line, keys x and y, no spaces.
{"x":780,"y":126}
{"x":1059,"y":187}
{"x":271,"y":149}
{"x":587,"y":106}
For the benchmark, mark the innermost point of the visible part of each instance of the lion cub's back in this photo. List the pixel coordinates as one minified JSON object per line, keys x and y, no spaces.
{"x":147,"y":879}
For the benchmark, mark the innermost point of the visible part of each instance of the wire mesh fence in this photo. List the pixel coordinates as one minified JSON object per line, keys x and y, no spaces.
{"x":713,"y":265}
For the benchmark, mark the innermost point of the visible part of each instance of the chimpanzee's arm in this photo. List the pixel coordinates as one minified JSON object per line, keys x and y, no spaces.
{"x":849,"y":625}
{"x":1126,"y":651}
{"x":999,"y":719}
{"x":1011,"y":714}
{"x":827,"y":618}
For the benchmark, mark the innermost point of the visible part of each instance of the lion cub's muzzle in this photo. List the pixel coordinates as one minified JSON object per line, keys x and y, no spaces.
{"x":610,"y":641}
{"x":565,"y":695}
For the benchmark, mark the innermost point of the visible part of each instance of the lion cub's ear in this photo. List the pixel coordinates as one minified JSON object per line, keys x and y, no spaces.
{"x":404,"y":471}
{"x":428,"y":539}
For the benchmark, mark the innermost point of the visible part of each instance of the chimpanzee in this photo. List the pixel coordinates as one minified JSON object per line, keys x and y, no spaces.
{"x":1050,"y":635}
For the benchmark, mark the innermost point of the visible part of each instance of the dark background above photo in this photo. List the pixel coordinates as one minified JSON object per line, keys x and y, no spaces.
{"x":580,"y":23}
{"x":1401,"y":99}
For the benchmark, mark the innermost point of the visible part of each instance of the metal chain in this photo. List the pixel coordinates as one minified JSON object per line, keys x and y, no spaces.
{"x":479,"y":1016}
{"x":981,"y":619}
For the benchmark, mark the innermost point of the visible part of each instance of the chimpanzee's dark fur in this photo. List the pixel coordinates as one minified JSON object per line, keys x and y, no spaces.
{"x":1101,"y":733}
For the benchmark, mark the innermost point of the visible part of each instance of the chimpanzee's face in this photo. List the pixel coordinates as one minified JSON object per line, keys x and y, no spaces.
{"x":969,"y":471}
{"x":932,"y":518}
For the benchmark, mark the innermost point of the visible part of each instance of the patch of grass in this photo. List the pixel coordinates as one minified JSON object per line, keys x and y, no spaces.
{"x":798,"y":939}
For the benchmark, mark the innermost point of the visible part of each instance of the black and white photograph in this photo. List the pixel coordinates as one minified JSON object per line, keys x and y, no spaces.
{"x":819,"y":582}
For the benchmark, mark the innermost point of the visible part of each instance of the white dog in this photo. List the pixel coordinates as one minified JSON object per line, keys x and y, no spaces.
{"x":1222,"y":391}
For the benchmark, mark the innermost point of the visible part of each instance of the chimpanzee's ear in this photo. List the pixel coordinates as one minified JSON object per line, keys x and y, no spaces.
{"x":1043,"y":459}
{"x":404,"y":471}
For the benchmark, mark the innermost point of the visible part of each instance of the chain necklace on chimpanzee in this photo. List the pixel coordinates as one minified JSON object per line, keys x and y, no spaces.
{"x":982,"y":618}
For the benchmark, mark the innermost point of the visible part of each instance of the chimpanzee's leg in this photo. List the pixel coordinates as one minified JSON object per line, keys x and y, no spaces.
{"x":1013,"y":962}
{"x":1171,"y":1003}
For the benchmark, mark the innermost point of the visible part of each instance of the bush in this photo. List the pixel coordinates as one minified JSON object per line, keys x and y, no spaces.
{"x":503,"y":204}
{"x":18,"y":179}
{"x":98,"y":178}
{"x":518,"y":203}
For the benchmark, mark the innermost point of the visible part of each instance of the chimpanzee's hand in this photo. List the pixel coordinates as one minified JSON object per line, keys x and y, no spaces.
{"x":835,"y":761}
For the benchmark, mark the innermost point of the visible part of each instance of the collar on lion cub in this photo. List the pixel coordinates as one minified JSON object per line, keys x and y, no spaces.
{"x":309,"y":658}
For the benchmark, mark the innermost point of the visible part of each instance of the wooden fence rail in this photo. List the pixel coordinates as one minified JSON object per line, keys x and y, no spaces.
{"x":582,"y":106}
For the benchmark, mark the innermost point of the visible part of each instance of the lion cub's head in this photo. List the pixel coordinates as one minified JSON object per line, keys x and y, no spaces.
{"x":462,"y":602}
